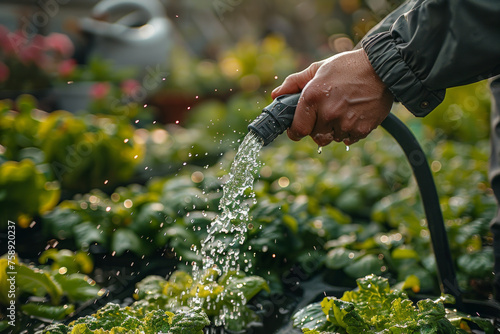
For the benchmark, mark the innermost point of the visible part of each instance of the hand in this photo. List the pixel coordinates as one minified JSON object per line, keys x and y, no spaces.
{"x":342,"y":99}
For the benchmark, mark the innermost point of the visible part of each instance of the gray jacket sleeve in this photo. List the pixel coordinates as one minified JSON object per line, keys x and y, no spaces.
{"x":426,"y":46}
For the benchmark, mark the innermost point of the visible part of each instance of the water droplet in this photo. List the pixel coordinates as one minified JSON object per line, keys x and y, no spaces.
{"x":347,"y":148}
{"x":320,"y":149}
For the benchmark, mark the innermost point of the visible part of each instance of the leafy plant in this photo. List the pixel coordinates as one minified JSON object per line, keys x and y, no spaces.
{"x":25,"y":192}
{"x":135,"y":319}
{"x":223,"y":298}
{"x":166,"y":306}
{"x":48,"y":292}
{"x":81,"y":152}
{"x":376,"y":308}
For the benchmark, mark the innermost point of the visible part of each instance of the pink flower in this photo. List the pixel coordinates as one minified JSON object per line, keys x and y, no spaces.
{"x":10,"y":42}
{"x":60,"y":43}
{"x":4,"y":38}
{"x":130,"y":87}
{"x":4,"y":72}
{"x":66,"y":67}
{"x":99,"y":90}
{"x":31,"y":53}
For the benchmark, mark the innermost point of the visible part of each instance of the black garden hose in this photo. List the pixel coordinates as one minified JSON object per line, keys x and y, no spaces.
{"x":416,"y":157}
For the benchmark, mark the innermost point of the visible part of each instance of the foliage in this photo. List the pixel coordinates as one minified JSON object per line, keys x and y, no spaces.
{"x":223,"y":298}
{"x":96,"y":70}
{"x":134,"y":218}
{"x":25,"y":192}
{"x":81,"y":152}
{"x":461,"y":116}
{"x":247,"y":66}
{"x":48,"y":291}
{"x":166,"y":306}
{"x":135,"y":319}
{"x":376,"y":308}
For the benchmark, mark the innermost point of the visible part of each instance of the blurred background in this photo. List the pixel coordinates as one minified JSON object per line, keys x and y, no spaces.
{"x":162,"y":34}
{"x":309,"y":26}
{"x":119,"y":120}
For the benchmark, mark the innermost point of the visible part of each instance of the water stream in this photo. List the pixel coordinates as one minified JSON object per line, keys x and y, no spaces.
{"x":221,"y":248}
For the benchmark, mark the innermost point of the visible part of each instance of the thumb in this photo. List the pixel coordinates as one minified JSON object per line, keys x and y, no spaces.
{"x":295,"y":82}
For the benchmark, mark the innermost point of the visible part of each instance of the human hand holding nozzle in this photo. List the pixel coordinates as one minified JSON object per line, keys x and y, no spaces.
{"x":341,"y":99}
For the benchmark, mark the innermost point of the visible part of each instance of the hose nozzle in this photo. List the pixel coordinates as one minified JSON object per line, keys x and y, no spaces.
{"x":275,"y":118}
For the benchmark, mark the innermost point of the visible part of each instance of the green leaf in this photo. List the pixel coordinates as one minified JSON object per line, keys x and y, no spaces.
{"x":411,"y":282}
{"x":340,"y":257}
{"x":158,"y":321}
{"x":56,"y":329}
{"x":4,"y":324}
{"x":249,"y":286}
{"x":191,"y":321}
{"x":47,"y":311}
{"x":77,"y":287}
{"x":151,"y":285}
{"x":81,"y":329}
{"x":311,"y":317}
{"x":366,"y":265}
{"x":107,"y":317}
{"x":429,"y":311}
{"x":61,"y":222}
{"x":38,"y":283}
{"x":87,"y":233}
{"x":125,"y":239}
{"x":403,"y":312}
{"x":4,"y":283}
{"x":73,"y":262}
{"x":291,"y":222}
{"x":476,"y":264}
{"x":404,"y":253}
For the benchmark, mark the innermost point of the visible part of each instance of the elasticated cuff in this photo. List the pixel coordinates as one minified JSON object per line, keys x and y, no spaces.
{"x":399,"y":78}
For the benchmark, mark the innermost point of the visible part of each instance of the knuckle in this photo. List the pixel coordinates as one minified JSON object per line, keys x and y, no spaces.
{"x":289,"y":79}
{"x":309,"y":96}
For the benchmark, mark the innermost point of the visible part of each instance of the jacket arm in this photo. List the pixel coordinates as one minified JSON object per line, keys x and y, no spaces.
{"x":433,"y":45}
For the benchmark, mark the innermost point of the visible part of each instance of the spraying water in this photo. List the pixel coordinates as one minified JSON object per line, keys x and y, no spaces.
{"x":221,"y":248}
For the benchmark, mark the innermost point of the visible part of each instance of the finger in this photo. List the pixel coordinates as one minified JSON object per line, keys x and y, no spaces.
{"x":338,"y":134}
{"x":291,"y":85}
{"x":304,"y":119}
{"x":350,"y":141}
{"x":294,"y":83}
{"x":323,"y":139}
